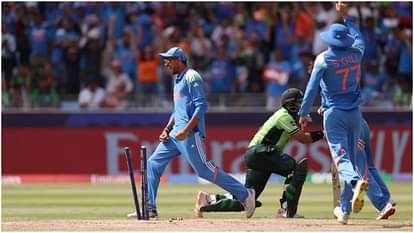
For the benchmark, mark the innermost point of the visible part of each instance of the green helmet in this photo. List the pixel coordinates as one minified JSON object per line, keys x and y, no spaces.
{"x":292,"y":99}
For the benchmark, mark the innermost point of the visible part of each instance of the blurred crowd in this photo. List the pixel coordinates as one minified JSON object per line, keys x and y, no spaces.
{"x":106,"y":53}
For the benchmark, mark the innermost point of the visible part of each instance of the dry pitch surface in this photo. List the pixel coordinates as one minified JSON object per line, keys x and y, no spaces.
{"x":207,"y":225}
{"x":104,"y":207}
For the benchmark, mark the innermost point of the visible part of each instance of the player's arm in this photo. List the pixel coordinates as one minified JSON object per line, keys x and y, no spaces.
{"x":307,"y":137}
{"x":289,"y":125}
{"x":353,"y":29}
{"x":319,"y":68}
{"x":164,"y":134}
{"x":170,"y":123}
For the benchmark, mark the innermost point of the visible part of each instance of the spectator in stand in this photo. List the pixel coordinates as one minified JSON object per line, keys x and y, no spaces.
{"x":147,"y":29}
{"x":257,"y":24}
{"x":148,"y":64}
{"x":65,"y":37}
{"x":229,"y":44}
{"x":22,"y":35}
{"x":373,"y":84}
{"x":18,"y":96}
{"x":254,"y":60}
{"x":125,"y":53}
{"x":38,"y":41}
{"x":92,"y":97}
{"x":320,"y":25}
{"x":304,"y":22}
{"x":5,"y":93}
{"x":8,"y":52}
{"x":200,"y":49}
{"x":403,"y":94}
{"x":7,"y":17}
{"x":21,"y":85}
{"x":114,"y":13}
{"x":224,"y":9}
{"x":72,"y":70}
{"x":405,"y":67}
{"x":222,"y":73}
{"x":327,"y":10}
{"x":91,"y":49}
{"x":242,"y":75}
{"x":277,"y":74}
{"x":372,"y":40}
{"x":225,"y":27}
{"x":284,"y":33}
{"x":301,"y":67}
{"x":391,"y":39}
{"x":45,"y":93}
{"x":118,"y":88}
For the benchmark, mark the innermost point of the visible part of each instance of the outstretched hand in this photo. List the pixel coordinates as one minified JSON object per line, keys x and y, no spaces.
{"x":342,"y":9}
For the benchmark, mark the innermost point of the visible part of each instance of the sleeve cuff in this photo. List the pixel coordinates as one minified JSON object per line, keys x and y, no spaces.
{"x":294,"y":131}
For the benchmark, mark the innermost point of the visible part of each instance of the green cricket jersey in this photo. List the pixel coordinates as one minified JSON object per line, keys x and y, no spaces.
{"x":276,"y":130}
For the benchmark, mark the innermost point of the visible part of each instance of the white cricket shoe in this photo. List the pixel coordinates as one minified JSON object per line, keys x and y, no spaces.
{"x":201,"y":200}
{"x":387,"y":211}
{"x":359,"y":194}
{"x":132,"y":215}
{"x":250,"y":203}
{"x":341,"y":216}
{"x":282,"y":213}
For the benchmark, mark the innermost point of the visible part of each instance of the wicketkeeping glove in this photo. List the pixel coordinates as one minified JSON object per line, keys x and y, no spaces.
{"x":316,"y":135}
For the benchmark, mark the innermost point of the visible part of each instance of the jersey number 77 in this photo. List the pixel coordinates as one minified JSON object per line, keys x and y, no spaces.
{"x":345,"y":74}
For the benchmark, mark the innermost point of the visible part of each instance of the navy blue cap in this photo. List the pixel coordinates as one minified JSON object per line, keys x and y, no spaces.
{"x":175,"y":52}
{"x":337,"y":35}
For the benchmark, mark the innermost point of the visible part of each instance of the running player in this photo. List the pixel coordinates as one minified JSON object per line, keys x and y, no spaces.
{"x":185,"y":133}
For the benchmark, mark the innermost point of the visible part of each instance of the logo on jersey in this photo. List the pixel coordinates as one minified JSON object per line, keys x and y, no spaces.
{"x":292,"y":123}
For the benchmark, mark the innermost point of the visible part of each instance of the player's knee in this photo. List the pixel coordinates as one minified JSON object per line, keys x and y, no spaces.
{"x":153,"y":169}
{"x":289,"y":167}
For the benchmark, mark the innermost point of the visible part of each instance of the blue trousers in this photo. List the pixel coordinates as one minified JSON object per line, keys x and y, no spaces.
{"x":192,"y":148}
{"x":377,"y":190}
{"x":342,"y":131}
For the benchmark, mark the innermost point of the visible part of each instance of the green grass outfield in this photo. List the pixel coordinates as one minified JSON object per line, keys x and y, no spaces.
{"x":76,"y":201}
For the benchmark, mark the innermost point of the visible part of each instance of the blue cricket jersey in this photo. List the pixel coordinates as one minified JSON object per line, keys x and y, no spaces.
{"x":189,"y":100}
{"x":337,"y":71}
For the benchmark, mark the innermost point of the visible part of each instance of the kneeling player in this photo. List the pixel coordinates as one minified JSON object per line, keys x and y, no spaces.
{"x":265,"y":156}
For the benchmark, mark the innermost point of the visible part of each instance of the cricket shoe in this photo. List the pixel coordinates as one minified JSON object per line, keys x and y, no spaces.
{"x":387,"y":211}
{"x":153,"y":214}
{"x":250,"y":203}
{"x":341,"y":216}
{"x":282,"y":213}
{"x":201,"y":200}
{"x":132,"y":215}
{"x":359,"y":194}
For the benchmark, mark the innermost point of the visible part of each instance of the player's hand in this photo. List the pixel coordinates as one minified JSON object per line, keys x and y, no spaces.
{"x":163,"y":136}
{"x":342,"y":9}
{"x":320,"y":111}
{"x":181,"y":135}
{"x":360,"y":144}
{"x":304,"y":121}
